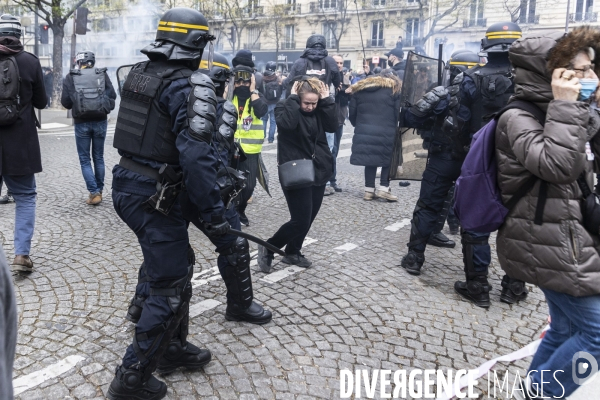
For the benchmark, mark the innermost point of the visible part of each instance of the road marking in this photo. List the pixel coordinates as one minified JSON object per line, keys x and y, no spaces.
{"x":36,"y":378}
{"x":345,"y":248}
{"x":203,"y":306}
{"x":344,"y":153}
{"x":282,"y":273}
{"x":53,"y":125}
{"x":398,"y":225}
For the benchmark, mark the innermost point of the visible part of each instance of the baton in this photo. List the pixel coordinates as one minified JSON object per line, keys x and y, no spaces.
{"x":256,"y":240}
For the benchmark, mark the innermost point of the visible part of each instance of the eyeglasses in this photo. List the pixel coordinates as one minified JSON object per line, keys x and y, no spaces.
{"x":585,"y":69}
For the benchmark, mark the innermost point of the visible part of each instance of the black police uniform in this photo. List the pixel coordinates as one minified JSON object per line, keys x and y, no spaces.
{"x":167,"y":119}
{"x":446,"y":154}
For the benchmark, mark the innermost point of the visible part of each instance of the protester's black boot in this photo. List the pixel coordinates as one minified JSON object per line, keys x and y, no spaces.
{"x":476,"y":290}
{"x":412,"y":262}
{"x":454,"y":228}
{"x":255,"y":314}
{"x":440,"y":240}
{"x":513,"y":290}
{"x":185,"y":356}
{"x":129,"y":384}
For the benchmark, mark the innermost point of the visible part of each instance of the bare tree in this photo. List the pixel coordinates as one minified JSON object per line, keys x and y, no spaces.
{"x":278,"y":16}
{"x":335,"y":14}
{"x":56,"y":14}
{"x":242,"y":15}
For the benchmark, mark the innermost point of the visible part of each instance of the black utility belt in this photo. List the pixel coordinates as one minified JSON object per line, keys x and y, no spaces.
{"x":169,"y":183}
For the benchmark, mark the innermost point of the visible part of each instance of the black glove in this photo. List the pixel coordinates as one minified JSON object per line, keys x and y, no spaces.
{"x":217,"y":227}
{"x":429,"y":101}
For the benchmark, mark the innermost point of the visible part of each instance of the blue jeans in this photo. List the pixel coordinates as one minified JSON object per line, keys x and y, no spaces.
{"x":270,"y":116}
{"x":91,"y":134}
{"x":574,"y":327}
{"x":22,"y":188}
{"x":334,"y":152}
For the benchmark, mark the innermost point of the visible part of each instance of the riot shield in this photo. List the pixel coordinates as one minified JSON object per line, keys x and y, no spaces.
{"x":122,"y":73}
{"x":409,"y":157}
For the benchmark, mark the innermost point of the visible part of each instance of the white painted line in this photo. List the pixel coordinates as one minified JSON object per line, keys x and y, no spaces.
{"x":282,"y":273}
{"x":345,"y":248}
{"x":53,"y":125}
{"x":200,"y":282}
{"x":344,"y":153}
{"x":203,"y":306}
{"x":36,"y":378}
{"x":398,"y":225}
{"x":308,"y":241}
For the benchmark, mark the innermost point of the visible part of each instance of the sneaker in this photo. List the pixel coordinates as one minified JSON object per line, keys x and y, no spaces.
{"x":94,"y":199}
{"x":328,"y":191}
{"x":336,"y":188}
{"x":369,"y":196}
{"x":386,"y":193}
{"x":264,"y":259}
{"x":296,"y":259}
{"x":243,"y":219}
{"x":22,"y":264}
{"x":7,"y":198}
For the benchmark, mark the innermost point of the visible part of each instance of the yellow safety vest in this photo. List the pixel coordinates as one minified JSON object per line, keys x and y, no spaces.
{"x":251,"y":140}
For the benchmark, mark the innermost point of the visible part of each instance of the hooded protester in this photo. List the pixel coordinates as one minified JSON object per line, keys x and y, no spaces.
{"x":20,"y":155}
{"x":556,"y":73}
{"x":374,"y":112}
{"x":315,"y":61}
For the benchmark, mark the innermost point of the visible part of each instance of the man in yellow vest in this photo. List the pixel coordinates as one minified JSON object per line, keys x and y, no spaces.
{"x":250,"y":133}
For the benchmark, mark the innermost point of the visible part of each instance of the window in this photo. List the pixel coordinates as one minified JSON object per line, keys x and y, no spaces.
{"x":328,"y":4}
{"x":377,"y":34}
{"x":412,"y":32}
{"x":288,"y":37}
{"x":476,"y":13}
{"x":527,"y":12}
{"x":107,"y":24}
{"x":412,"y":2}
{"x":253,"y":36}
{"x":378,"y":2}
{"x":329,"y":29}
{"x":291,"y":5}
{"x":584,"y":11}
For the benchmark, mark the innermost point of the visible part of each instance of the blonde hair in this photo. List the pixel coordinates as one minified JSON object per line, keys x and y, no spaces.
{"x":310,"y":85}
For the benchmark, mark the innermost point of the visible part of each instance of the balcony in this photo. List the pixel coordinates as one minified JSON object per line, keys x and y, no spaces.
{"x":254,"y":11}
{"x":323,"y":5}
{"x":584,"y":17}
{"x":288,"y":45}
{"x":375,"y":43}
{"x":291,"y":9}
{"x":252,"y":46}
{"x":476,"y":22}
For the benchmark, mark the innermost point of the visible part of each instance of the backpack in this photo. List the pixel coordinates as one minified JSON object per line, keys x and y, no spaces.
{"x":495,"y":87}
{"x":10,"y":85}
{"x":318,"y":69}
{"x":478,"y":201}
{"x":89,"y":99}
{"x":272,"y":90}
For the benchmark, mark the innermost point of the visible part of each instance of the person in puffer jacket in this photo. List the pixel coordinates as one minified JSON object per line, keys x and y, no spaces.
{"x":560,"y":255}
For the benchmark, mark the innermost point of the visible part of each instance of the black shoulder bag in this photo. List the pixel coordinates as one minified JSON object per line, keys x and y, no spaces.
{"x":298,"y":174}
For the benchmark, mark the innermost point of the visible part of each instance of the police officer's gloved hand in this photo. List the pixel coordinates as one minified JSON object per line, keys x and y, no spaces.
{"x":218,"y":226}
{"x":429,"y":101}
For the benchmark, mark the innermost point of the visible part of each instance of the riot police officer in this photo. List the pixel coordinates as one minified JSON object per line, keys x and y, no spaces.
{"x":456,"y":113}
{"x":169,"y":165}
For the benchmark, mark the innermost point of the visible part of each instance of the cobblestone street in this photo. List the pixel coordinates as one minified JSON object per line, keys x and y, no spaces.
{"x":355,"y":308}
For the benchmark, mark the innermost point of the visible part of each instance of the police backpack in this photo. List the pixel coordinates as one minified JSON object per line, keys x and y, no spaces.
{"x":318,"y":69}
{"x":89,"y":98}
{"x":10,"y":85}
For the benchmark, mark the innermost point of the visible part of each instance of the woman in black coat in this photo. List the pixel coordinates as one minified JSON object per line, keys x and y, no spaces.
{"x":302,"y":120}
{"x":374,"y":113}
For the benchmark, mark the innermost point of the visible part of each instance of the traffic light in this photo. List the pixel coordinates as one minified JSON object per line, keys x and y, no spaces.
{"x":44,"y":33}
{"x":81,"y":20}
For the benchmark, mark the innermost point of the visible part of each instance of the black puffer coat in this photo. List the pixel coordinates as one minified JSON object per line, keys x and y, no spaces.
{"x":19,"y":144}
{"x":298,"y":131}
{"x":374,"y":113}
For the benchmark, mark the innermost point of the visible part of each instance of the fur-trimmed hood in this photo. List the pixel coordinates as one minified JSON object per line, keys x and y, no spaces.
{"x":377,"y":82}
{"x":535,"y":57}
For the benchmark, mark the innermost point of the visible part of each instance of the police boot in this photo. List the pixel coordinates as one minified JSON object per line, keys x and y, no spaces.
{"x":412,"y":262}
{"x":129,"y":384}
{"x":187,"y":356}
{"x":513,"y":290}
{"x":476,"y":290}
{"x":236,"y":274}
{"x":440,"y":240}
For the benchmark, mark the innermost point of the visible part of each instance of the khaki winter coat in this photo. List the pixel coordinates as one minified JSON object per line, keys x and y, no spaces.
{"x":559,"y":254}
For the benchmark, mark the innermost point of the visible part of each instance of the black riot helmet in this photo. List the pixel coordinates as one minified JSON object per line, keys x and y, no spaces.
{"x":460,"y":61}
{"x":220,"y":73}
{"x":316,"y":41}
{"x":500,"y":36}
{"x":10,"y":26}
{"x":85,"y":59}
{"x":184,"y":27}
{"x":270,"y":68}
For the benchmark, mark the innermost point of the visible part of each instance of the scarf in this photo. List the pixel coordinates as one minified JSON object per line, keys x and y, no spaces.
{"x":10,"y":46}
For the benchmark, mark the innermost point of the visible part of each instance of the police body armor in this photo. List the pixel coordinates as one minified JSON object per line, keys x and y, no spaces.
{"x":143,"y":128}
{"x":89,"y":99}
{"x":494,"y":86}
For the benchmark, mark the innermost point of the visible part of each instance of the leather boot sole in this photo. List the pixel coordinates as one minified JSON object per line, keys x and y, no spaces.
{"x":169,"y":368}
{"x":479,"y":303}
{"x":412,"y":271}
{"x":142,"y":395}
{"x":252,"y":320}
{"x":436,"y":243}
{"x":505,"y":298}
{"x":22,"y":268}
